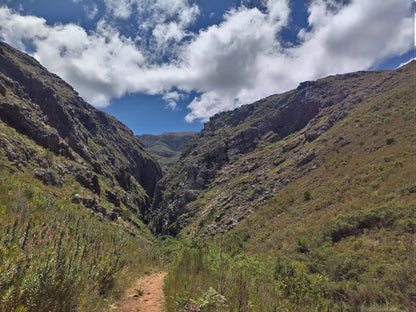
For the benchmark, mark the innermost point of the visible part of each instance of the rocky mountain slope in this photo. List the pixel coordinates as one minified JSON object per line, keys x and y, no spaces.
{"x":166,"y":147}
{"x":244,"y":157}
{"x":70,"y":141}
{"x":74,"y":184}
{"x":303,"y":201}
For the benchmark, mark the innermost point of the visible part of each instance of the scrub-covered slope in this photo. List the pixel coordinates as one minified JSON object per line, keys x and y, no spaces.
{"x":305,"y":201}
{"x":73,"y":184}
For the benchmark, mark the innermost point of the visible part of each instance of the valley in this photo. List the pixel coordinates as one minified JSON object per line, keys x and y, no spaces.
{"x":301,"y":201}
{"x":166,"y":148}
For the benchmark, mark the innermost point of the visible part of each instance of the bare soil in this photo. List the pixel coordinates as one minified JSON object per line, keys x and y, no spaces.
{"x":145,"y":296}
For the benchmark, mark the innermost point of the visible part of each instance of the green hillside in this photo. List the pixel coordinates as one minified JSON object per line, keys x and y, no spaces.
{"x":166,"y":147}
{"x":319,"y":219}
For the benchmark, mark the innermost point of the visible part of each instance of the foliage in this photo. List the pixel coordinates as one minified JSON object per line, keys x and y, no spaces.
{"x":54,"y":256}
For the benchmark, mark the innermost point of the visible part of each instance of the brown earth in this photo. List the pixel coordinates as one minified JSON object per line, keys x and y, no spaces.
{"x":145,"y":296}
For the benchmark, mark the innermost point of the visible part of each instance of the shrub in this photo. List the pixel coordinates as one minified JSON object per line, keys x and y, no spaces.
{"x":307,"y":195}
{"x":302,"y":244}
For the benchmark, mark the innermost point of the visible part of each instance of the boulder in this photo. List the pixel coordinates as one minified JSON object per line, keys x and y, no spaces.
{"x":47,"y":177}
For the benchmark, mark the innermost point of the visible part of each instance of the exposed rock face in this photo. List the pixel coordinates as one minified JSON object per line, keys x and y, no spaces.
{"x":43,"y":107}
{"x":228,"y":148}
{"x":47,"y":176}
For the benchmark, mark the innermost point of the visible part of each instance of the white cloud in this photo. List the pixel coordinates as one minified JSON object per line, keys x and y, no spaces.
{"x":91,"y":11}
{"x":229,"y":64}
{"x":161,"y":24}
{"x":168,"y":21}
{"x":246,"y":63}
{"x":15,"y":27}
{"x":278,"y":11}
{"x":171,"y":98}
{"x":95,"y":64}
{"x":223,"y":61}
{"x":166,"y":32}
{"x":120,"y":8}
{"x":407,"y":62}
{"x":356,"y":37}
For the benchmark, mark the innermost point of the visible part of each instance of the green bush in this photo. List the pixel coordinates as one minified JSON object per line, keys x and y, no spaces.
{"x":307,"y":195}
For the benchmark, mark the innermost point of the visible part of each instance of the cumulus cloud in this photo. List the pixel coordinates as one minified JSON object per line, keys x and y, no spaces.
{"x":14,"y":28}
{"x":93,"y":63}
{"x":340,"y":38}
{"x":229,"y":64}
{"x":168,"y":21}
{"x":357,"y":36}
{"x":223,"y":62}
{"x":247,"y":63}
{"x":160,"y":25}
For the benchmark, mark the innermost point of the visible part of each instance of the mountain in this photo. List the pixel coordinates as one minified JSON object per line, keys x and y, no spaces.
{"x":244,"y":157}
{"x":99,"y":151}
{"x":166,"y":147}
{"x":302,"y":201}
{"x":74,"y":183}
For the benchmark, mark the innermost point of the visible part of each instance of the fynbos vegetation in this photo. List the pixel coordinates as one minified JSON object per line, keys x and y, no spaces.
{"x":55,"y":256}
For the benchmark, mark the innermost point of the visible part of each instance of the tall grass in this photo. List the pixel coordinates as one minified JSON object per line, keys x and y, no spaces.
{"x":55,"y":256}
{"x":322,"y":278}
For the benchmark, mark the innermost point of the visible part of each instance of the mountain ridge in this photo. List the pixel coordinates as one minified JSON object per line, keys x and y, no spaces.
{"x":74,"y":182}
{"x":314,"y":107}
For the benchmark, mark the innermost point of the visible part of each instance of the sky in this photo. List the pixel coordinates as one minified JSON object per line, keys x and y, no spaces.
{"x":169,"y":65}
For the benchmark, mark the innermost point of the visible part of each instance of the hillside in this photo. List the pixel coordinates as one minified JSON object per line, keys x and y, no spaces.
{"x":166,"y":147}
{"x":244,"y":157}
{"x":305,"y":200}
{"x":74,"y":183}
{"x":94,"y":148}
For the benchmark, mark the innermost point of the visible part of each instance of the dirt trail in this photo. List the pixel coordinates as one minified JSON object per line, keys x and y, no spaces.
{"x":145,"y":296}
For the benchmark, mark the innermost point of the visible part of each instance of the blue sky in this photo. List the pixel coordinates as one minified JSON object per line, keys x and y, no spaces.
{"x":168,"y":65}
